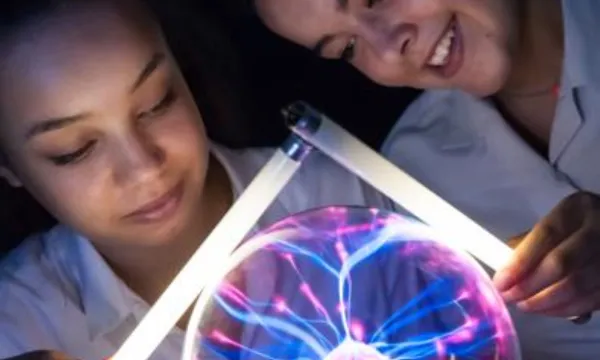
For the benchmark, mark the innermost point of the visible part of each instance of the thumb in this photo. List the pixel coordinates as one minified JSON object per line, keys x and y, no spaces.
{"x":503,"y":279}
{"x":515,"y":241}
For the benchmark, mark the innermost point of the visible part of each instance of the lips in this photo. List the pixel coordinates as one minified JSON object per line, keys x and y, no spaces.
{"x":160,"y":208}
{"x":446,"y":56}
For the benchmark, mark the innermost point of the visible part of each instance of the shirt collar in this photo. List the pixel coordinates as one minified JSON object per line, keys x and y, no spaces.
{"x":582,"y":56}
{"x":106,"y":300}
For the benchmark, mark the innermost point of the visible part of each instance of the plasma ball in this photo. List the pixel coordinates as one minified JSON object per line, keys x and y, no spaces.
{"x":351,"y":283}
{"x":353,"y":350}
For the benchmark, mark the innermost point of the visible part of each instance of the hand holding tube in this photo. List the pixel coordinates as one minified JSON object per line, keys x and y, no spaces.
{"x":554,"y":270}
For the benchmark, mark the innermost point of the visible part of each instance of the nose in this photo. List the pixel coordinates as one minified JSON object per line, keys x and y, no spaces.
{"x":391,"y":38}
{"x":139,"y":160}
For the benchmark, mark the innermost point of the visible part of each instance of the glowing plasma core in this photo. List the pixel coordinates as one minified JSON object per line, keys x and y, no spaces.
{"x":354,"y":350}
{"x":346,"y":283}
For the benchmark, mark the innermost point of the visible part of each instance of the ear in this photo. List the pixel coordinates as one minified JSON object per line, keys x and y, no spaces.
{"x":10,"y":177}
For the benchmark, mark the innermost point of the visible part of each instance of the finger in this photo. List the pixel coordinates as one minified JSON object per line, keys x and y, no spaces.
{"x":501,"y":278}
{"x":583,"y":284}
{"x":544,"y":236}
{"x":529,"y":254}
{"x":574,"y":310}
{"x":566,"y":258}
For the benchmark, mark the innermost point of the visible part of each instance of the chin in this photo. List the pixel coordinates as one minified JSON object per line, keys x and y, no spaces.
{"x":490,"y":75}
{"x":486,"y":84}
{"x":483,"y":90}
{"x":162,"y":234}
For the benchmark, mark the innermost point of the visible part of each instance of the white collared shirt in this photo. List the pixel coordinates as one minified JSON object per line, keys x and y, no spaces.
{"x":57,"y":293}
{"x":462,"y":148}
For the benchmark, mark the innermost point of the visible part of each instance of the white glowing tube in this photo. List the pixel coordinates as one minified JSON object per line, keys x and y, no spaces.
{"x":214,"y":252}
{"x":384,"y":176}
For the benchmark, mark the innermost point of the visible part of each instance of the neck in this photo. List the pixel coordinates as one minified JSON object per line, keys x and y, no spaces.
{"x":148,"y":271}
{"x":538,"y":51}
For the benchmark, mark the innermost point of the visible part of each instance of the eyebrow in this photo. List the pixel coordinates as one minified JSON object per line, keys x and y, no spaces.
{"x":53,"y":124}
{"x":341,"y":6}
{"x":157,"y":60}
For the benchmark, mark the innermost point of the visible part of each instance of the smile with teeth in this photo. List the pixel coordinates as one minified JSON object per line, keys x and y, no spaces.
{"x":442,"y":50}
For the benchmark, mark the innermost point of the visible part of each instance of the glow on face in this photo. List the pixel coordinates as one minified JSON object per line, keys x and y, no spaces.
{"x":355,"y":284}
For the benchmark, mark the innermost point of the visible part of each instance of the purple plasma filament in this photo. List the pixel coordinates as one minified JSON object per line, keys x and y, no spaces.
{"x":356,"y":283}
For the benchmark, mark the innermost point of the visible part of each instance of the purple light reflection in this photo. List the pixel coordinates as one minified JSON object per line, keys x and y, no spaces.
{"x":355,"y":283}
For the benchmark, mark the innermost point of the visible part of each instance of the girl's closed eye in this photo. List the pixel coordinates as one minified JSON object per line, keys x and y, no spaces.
{"x":371,"y":3}
{"x":82,"y":152}
{"x":74,"y":156}
{"x":162,"y":106}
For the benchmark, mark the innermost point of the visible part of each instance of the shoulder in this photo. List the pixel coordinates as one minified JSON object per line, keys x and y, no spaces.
{"x":41,"y":260}
{"x":581,"y":9}
{"x":36,"y":294}
{"x":435,"y":117}
{"x":432,"y":104}
{"x":439,"y":118}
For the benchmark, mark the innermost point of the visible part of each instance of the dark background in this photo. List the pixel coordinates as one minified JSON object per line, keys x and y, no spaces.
{"x":241,"y":76}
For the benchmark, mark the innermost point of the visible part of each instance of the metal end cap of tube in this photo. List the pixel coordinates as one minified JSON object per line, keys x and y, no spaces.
{"x":296,"y":148}
{"x":301,"y":116}
{"x":581,"y":320}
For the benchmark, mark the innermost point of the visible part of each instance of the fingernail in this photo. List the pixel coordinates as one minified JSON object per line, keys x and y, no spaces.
{"x":523,"y":305}
{"x":514,"y":295}
{"x":508,"y":297}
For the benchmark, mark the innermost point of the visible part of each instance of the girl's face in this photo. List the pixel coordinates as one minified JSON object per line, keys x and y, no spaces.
{"x":100,"y":127}
{"x":418,"y":43}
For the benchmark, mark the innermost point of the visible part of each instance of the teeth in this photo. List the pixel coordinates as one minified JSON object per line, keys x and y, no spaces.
{"x":442,"y":50}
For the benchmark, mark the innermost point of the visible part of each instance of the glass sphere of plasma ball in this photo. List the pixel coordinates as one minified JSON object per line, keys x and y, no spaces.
{"x":345,"y":283}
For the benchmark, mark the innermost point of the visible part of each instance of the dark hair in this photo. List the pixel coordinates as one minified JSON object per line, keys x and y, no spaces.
{"x":3,"y":158}
{"x":20,"y":214}
{"x":15,"y":13}
{"x":209,"y":60}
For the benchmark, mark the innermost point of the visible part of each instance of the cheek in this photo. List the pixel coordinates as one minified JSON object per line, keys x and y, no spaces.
{"x":490,"y":70}
{"x":380,"y":72}
{"x":485,"y":26}
{"x":487,"y":60}
{"x":183,"y":138}
{"x":73,"y":196}
{"x":489,"y":21}
{"x":393,"y":74}
{"x":491,"y":14}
